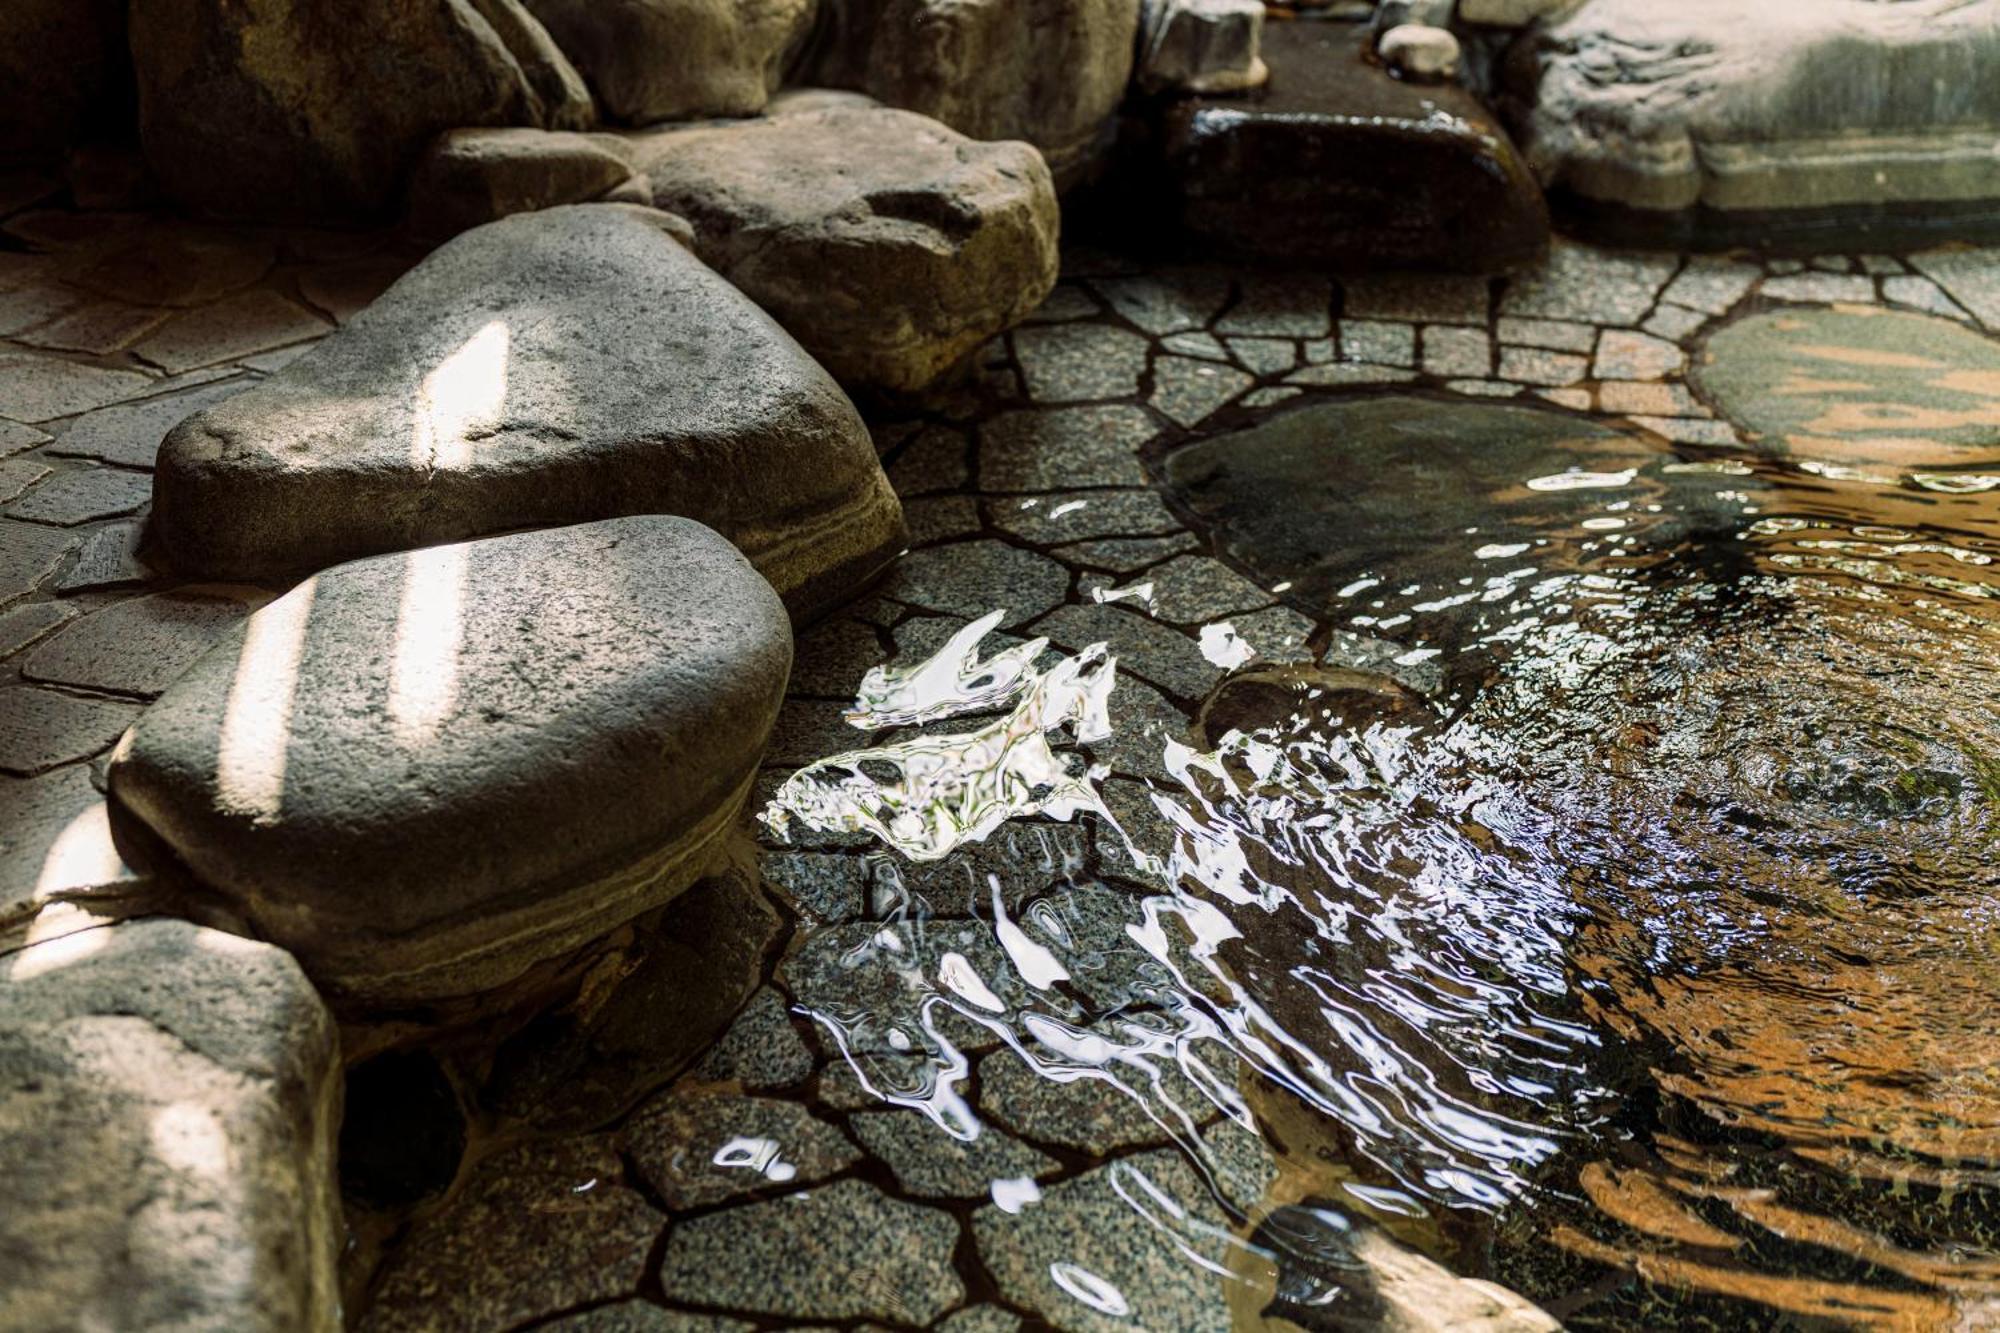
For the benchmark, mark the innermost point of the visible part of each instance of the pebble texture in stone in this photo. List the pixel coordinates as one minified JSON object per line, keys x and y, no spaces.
{"x":761,"y":1049}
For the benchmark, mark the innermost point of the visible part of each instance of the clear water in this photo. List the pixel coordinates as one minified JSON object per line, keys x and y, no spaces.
{"x":1649,"y":966}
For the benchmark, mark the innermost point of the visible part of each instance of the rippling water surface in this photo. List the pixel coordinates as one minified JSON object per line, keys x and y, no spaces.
{"x":1644,"y":962}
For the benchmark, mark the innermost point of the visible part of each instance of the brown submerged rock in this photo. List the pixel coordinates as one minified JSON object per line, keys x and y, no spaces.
{"x":653,"y":60}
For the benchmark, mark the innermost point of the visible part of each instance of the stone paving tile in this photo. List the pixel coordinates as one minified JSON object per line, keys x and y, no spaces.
{"x":35,"y":387}
{"x":809,"y":729}
{"x":1125,"y":555}
{"x":1881,"y":264}
{"x":1417,"y":299}
{"x":829,"y":659}
{"x":1205,"y":346}
{"x":932,"y":1164}
{"x":1070,"y":363}
{"x":41,"y":729}
{"x":342,"y":290}
{"x":98,"y":327}
{"x":1074,"y":516}
{"x":640,"y":1317}
{"x":1166,"y":657}
{"x":1383,"y":343}
{"x":1683,"y":431}
{"x":698,"y":1148}
{"x":935,"y":518}
{"x":29,"y":553}
{"x":1067,"y":301}
{"x":1169,"y":302}
{"x":1280,"y":307}
{"x":173,"y":264}
{"x":1820,"y":288}
{"x":981,"y":1319}
{"x":1673,"y":322}
{"x":825,"y":887}
{"x":1649,"y":400}
{"x":1623,"y":355}
{"x":1589,"y":286}
{"x":109,"y":559}
{"x":1278,"y":633}
{"x":1532,"y":365}
{"x":971,"y":578}
{"x":1555,"y":334}
{"x":1265,"y":356}
{"x":17,"y":475}
{"x":1711,"y":284}
{"x":80,"y":496}
{"x":1969,"y":277}
{"x":934,"y":459}
{"x":1187,"y":391}
{"x":22,"y":625}
{"x":1262,"y":398}
{"x":845,"y":1251}
{"x":30,"y":306}
{"x":1350,"y":374}
{"x":1091,"y":1114}
{"x":1079,"y":446}
{"x":138,"y":646}
{"x":1579,"y":399}
{"x":237,"y":326}
{"x":1923,"y":294}
{"x":1483,"y":388}
{"x":1456,"y":351}
{"x":535,"y":1230}
{"x":761,"y":1050}
{"x":1196,"y":588}
{"x":15,"y":437}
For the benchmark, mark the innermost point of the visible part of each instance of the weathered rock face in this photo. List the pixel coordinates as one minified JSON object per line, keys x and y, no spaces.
{"x":1201,"y":46}
{"x":1336,"y":162}
{"x":427,"y":772}
{"x":1051,"y":72}
{"x":555,"y":367}
{"x":653,"y":60}
{"x":57,"y":62}
{"x":1705,"y":112}
{"x":888,"y":245}
{"x":284,"y":109}
{"x":168,"y":1096}
{"x":472,"y":177}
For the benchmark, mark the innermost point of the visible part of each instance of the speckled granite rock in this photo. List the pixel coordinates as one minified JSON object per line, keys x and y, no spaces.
{"x":760,"y":1050}
{"x":932,"y":1164}
{"x":254,"y":113}
{"x":370,"y":767}
{"x":168,"y":1097}
{"x":841,"y":1252}
{"x":553,"y":367}
{"x":698,"y":1148}
{"x":650,"y":60}
{"x":1089,"y":1114}
{"x":887,"y":244}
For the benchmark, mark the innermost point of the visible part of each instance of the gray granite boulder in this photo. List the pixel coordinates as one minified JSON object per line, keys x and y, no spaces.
{"x":1706,"y":111}
{"x":888,"y":245}
{"x":1049,"y":71}
{"x":553,"y":367}
{"x":653,"y":60}
{"x":168,"y":1096}
{"x":289,"y":109}
{"x":472,"y":177}
{"x":426,"y":773}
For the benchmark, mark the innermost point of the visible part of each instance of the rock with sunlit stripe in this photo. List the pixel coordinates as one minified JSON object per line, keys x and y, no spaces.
{"x":428,"y":774}
{"x":550,"y":368}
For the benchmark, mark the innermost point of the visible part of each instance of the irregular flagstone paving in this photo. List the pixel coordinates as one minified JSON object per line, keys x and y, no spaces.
{"x":1042,"y":455}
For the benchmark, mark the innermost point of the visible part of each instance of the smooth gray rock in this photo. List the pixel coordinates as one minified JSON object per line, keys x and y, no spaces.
{"x":653,"y":60}
{"x":168,"y":1097}
{"x":425,"y":773}
{"x":1201,"y":46}
{"x":472,"y":177}
{"x":288,"y":109}
{"x":887,"y":244}
{"x":1710,"y":105}
{"x":1049,"y":71}
{"x":554,"y":367}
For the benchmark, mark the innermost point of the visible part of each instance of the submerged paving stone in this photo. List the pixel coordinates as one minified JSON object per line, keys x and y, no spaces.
{"x":1089,"y":1114}
{"x":640,"y":1317}
{"x":1144,"y":647}
{"x":139,"y":646}
{"x":1195,"y":588}
{"x":1589,"y":286}
{"x":1383,"y":343}
{"x":844,"y":1251}
{"x":824,"y":887}
{"x":532,"y":1231}
{"x":1069,"y":363}
{"x":41,"y":728}
{"x":971,"y":578}
{"x":932,"y":1164}
{"x":553,"y":367}
{"x":1971,"y":277}
{"x":1168,"y":301}
{"x":1858,"y":387}
{"x":980,"y":1319}
{"x":1287,"y":307}
{"x":1336,"y":161}
{"x":1126,"y":555}
{"x":1078,"y":446}
{"x":1188,"y":391}
{"x":503,"y":703}
{"x":70,"y":498}
{"x":761,"y":1050}
{"x":168,"y":1096}
{"x":696,"y":1149}
{"x":890,"y":246}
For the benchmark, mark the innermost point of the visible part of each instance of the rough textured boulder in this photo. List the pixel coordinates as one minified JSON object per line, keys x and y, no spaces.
{"x":653,"y":60}
{"x":472,"y":177}
{"x":1201,"y":46}
{"x":888,"y":245}
{"x":317,"y":109}
{"x":426,"y":773}
{"x":553,"y":367}
{"x":58,"y":60}
{"x":168,"y":1097}
{"x":1051,"y":72}
{"x":1705,"y":112}
{"x":1336,"y":162}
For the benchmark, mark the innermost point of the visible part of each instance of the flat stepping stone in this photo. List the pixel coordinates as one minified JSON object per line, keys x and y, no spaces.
{"x":1336,"y":162}
{"x":550,"y":368}
{"x":1709,"y":123}
{"x":1862,"y":388}
{"x":426,"y":772}
{"x":167,"y":1106}
{"x":887,"y":244}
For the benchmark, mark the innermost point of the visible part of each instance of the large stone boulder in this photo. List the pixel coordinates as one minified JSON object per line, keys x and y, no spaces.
{"x":425,"y":773}
{"x":168,"y":1098}
{"x":888,"y":245}
{"x":553,"y":367}
{"x":1051,"y":72}
{"x":1336,"y":162}
{"x":653,"y":60}
{"x":59,"y":61}
{"x":471,"y":177}
{"x":1709,"y":117}
{"x":284,"y":109}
